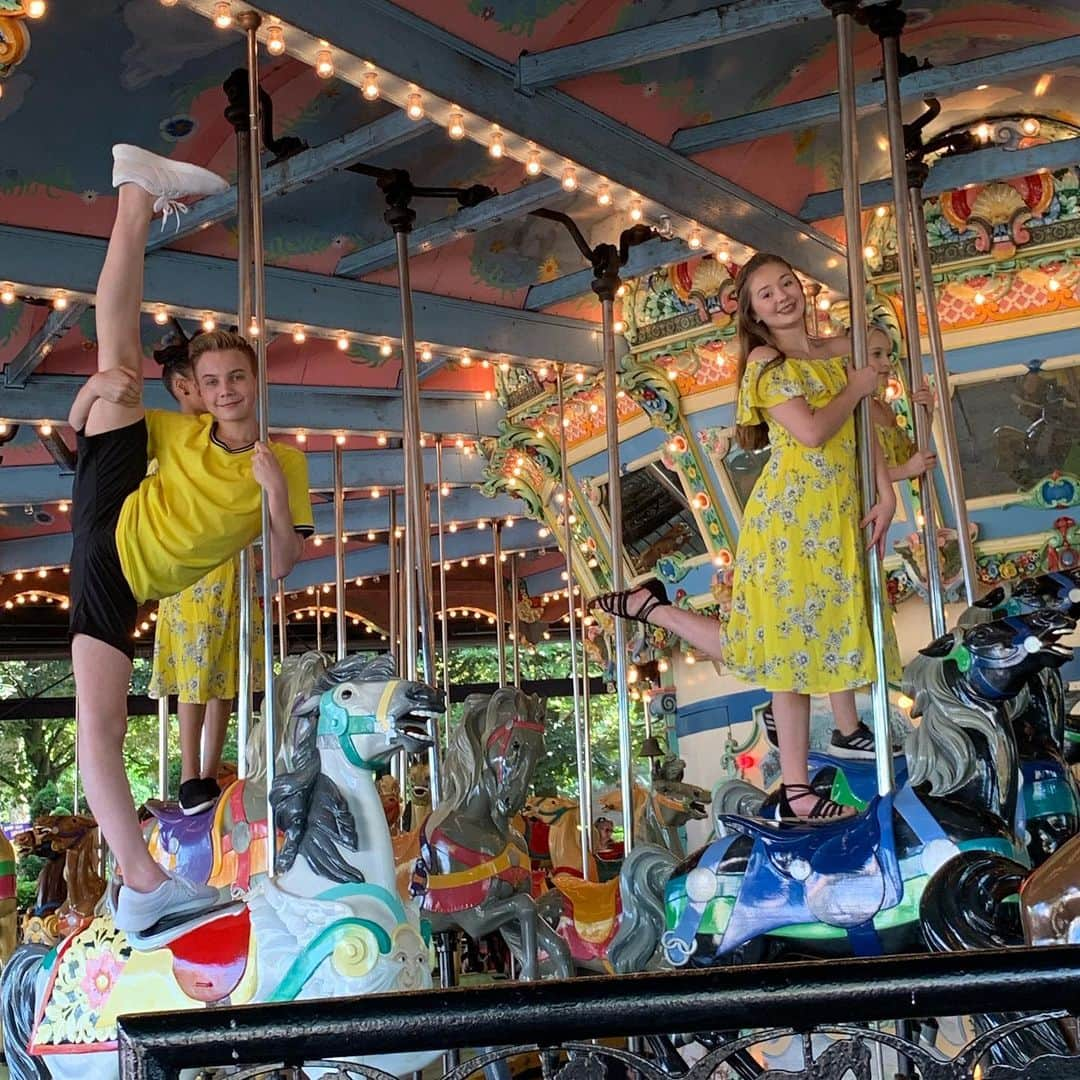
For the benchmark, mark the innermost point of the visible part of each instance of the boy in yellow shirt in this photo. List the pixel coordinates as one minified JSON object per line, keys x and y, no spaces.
{"x":138,"y":537}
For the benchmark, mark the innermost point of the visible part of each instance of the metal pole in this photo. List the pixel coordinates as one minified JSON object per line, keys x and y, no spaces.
{"x":250,"y":22}
{"x":163,"y":747}
{"x":75,"y":777}
{"x":500,"y":601}
{"x":318,"y":618}
{"x":417,"y":525}
{"x":392,"y":617}
{"x":887,"y":23}
{"x":586,"y":727}
{"x":618,"y":575}
{"x":339,"y":550}
{"x":953,"y":473}
{"x":515,"y":621}
{"x":246,"y":615}
{"x":442,"y":583}
{"x":282,"y":624}
{"x":843,"y":12}
{"x":584,"y":794}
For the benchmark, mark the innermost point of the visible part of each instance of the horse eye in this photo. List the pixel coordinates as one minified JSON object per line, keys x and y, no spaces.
{"x":346,"y":693}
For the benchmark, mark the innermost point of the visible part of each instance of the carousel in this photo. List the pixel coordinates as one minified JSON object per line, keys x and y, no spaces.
{"x":488,"y":260}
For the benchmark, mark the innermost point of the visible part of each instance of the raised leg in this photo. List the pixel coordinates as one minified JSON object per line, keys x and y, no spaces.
{"x":119,"y":303}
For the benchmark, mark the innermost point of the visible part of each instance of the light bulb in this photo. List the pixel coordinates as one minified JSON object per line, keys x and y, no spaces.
{"x":603,"y":195}
{"x":481,"y":526}
{"x":869,"y":251}
{"x":414,"y":107}
{"x":385,"y":348}
{"x":504,"y":365}
{"x":343,"y":342}
{"x":371,"y":534}
{"x":569,"y":178}
{"x":374,"y":493}
{"x":635,"y":209}
{"x":369,"y":85}
{"x":60,"y":302}
{"x":298,"y":335}
{"x":723,"y":256}
{"x":45,"y":429}
{"x":483,"y":560}
{"x":7,"y":294}
{"x":444,"y":491}
{"x":488,"y":395}
{"x":169,"y":3}
{"x":452,"y":526}
{"x":340,"y":440}
{"x":324,"y":64}
{"x":380,"y":439}
{"x":301,"y":437}
{"x":532,"y":162}
{"x":1030,"y":126}
{"x":223,"y":15}
{"x":275,"y":40}
{"x":425,"y":353}
{"x":1053,"y":284}
{"x":824,"y":303}
{"x":455,"y":124}
{"x":693,"y":241}
{"x":579,"y":377}
{"x":253,"y":329}
{"x":979,"y":298}
{"x":161,"y":316}
{"x":63,"y":507}
{"x":208,"y":323}
{"x":459,"y":442}
{"x":620,"y":292}
{"x":618,"y":326}
{"x":466,"y":360}
{"x":35,"y":9}
{"x":542,"y":373}
{"x":496,"y":147}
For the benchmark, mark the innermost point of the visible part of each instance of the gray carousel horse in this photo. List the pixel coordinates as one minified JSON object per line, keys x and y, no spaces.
{"x":474,"y":872}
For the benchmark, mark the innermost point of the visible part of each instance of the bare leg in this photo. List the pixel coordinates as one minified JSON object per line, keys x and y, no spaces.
{"x":701,"y":631}
{"x":118,"y":304}
{"x":217,"y":719}
{"x":844,"y":711}
{"x":792,"y":714}
{"x":102,"y":674}
{"x":190,"y":715}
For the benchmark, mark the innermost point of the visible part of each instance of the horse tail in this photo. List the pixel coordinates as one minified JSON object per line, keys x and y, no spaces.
{"x":18,"y":995}
{"x":964,"y":906}
{"x":642,"y":881}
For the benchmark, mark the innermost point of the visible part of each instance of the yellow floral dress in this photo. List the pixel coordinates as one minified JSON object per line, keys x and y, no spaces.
{"x":197,"y":640}
{"x":799,"y":620}
{"x":896,"y":444}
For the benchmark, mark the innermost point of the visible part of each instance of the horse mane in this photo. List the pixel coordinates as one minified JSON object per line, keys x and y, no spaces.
{"x":464,"y":759}
{"x":939,"y":750}
{"x":308,"y":806}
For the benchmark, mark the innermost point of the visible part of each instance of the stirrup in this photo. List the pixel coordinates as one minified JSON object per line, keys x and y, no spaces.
{"x":616,"y":603}
{"x":825,"y":809}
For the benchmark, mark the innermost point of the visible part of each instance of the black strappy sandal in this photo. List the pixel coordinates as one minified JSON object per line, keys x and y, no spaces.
{"x":616,"y":603}
{"x":823,"y":810}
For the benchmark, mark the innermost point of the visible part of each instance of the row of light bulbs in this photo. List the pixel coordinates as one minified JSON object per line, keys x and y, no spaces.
{"x":373,"y":534}
{"x":500,"y":143}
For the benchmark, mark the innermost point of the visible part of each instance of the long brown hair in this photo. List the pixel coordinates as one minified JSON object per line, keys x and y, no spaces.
{"x":752,"y":335}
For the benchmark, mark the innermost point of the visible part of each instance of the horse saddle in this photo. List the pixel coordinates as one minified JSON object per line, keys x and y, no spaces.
{"x":840,"y":873}
{"x":595,"y":905}
{"x":168,"y":931}
{"x":184,"y":844}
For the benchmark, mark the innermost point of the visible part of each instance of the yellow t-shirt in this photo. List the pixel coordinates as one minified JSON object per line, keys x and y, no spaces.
{"x":201,"y":506}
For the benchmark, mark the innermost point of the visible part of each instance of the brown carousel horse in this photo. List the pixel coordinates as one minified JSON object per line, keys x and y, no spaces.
{"x":474,"y":872}
{"x":69,"y":885}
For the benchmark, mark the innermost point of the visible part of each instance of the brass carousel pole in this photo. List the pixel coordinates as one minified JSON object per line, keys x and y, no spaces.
{"x":887,"y":22}
{"x":843,"y":12}
{"x":500,"y":600}
{"x":339,"y":551}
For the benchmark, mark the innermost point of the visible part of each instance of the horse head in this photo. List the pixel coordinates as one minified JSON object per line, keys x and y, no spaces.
{"x":513,"y":742}
{"x":991,"y":662}
{"x":370,"y":713}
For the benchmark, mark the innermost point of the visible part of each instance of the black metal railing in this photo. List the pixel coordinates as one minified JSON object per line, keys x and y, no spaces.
{"x":1022,"y":1001}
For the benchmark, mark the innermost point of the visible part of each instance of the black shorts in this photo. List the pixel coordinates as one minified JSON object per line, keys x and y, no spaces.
{"x":109,"y":468}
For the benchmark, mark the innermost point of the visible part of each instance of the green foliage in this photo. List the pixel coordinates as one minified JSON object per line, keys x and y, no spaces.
{"x":48,"y":800}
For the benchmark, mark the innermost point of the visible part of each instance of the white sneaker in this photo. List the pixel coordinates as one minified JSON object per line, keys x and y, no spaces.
{"x":174,"y":898}
{"x":169,"y":181}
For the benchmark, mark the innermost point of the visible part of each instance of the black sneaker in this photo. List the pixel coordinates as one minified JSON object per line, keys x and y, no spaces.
{"x":859,"y":744}
{"x":199,"y":795}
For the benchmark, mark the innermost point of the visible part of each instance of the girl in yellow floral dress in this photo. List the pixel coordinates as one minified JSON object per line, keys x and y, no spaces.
{"x":196,"y":641}
{"x":799,"y":622}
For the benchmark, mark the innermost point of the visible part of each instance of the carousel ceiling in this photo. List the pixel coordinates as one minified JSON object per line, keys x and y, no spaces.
{"x":714,"y":124}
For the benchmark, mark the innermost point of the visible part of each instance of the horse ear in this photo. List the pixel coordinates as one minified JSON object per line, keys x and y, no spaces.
{"x":994,"y":598}
{"x":940,"y":647}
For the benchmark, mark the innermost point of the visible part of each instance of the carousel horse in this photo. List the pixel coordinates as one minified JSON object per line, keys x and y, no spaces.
{"x":390,"y":797}
{"x":69,"y":885}
{"x":327,"y":925}
{"x":539,"y":816}
{"x":474,"y":872}
{"x":9,"y":915}
{"x":418,"y":805}
{"x":590,"y":914}
{"x":1029,"y":454}
{"x":853,"y":885}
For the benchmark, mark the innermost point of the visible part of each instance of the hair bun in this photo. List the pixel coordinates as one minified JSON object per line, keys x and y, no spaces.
{"x":172,"y":349}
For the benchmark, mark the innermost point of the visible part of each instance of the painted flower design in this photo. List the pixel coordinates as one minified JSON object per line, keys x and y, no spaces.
{"x":100,"y":977}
